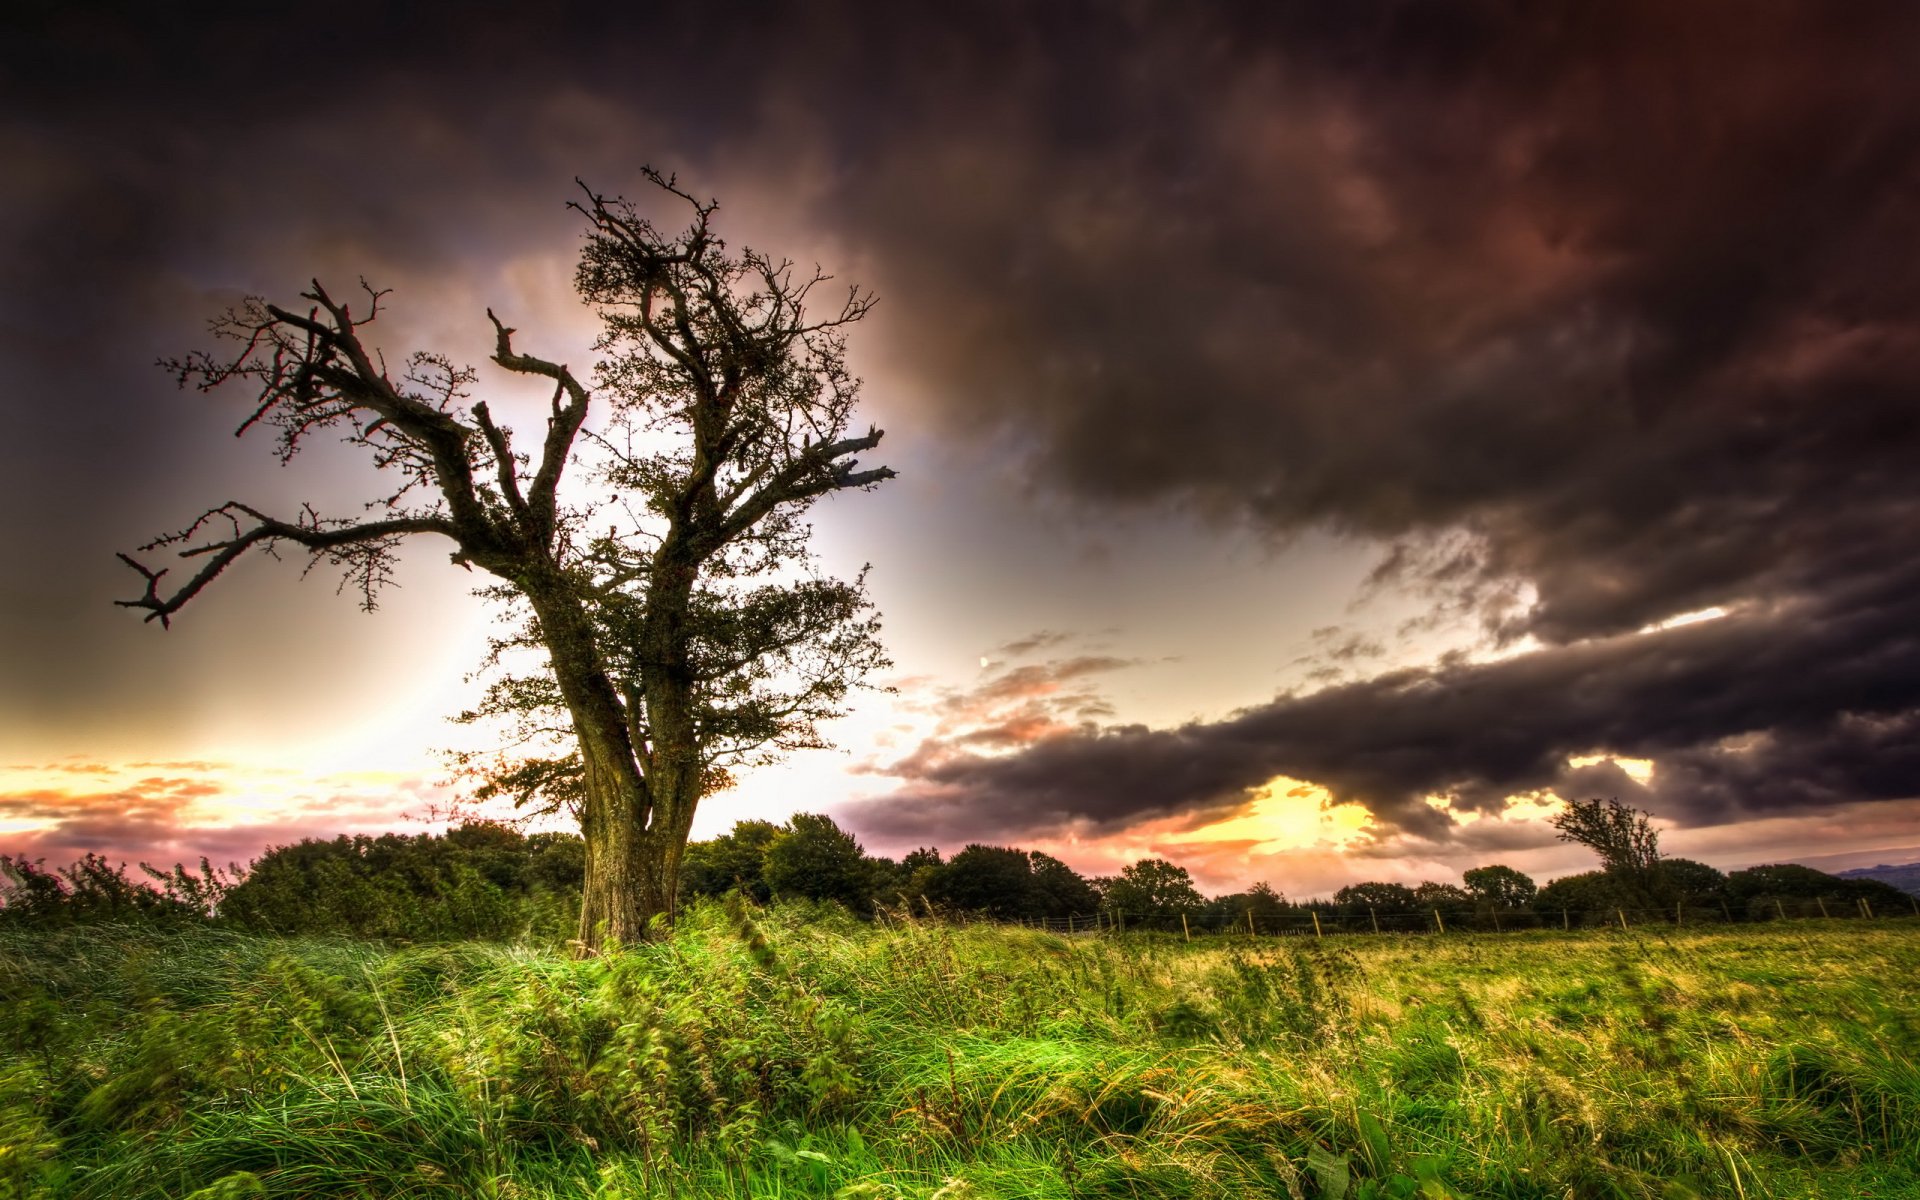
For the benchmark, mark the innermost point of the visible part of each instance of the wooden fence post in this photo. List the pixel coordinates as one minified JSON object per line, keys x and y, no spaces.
{"x":1496,"y":919}
{"x":1780,"y":908}
{"x":1678,"y":920}
{"x":1251,"y":931}
{"x":1566,"y":921}
{"x":1866,"y":908}
{"x":1183,"y":927}
{"x":1622,"y":914}
{"x":1821,"y":901}
{"x":1069,"y":922}
{"x":1316,"y":921}
{"x":1440,"y":924}
{"x":1375,"y":918}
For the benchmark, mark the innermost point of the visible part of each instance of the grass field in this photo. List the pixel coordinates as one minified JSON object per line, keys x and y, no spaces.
{"x":787,"y":1054}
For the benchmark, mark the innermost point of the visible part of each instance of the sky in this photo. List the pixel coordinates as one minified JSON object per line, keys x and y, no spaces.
{"x":1328,"y":436}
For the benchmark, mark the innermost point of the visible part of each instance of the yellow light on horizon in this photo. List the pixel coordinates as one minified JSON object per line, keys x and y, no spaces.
{"x":1288,"y":814}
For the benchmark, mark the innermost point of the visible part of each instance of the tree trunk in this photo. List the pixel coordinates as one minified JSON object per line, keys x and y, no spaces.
{"x":630,"y":875}
{"x":622,"y":892}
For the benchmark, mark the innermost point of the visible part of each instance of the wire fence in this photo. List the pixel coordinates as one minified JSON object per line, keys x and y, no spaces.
{"x":1315,"y":922}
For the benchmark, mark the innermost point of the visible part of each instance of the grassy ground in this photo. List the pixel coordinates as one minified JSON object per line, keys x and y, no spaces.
{"x":773,"y":1055}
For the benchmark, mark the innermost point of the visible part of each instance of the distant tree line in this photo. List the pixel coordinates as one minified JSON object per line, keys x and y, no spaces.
{"x":479,"y":880}
{"x":491,"y":881}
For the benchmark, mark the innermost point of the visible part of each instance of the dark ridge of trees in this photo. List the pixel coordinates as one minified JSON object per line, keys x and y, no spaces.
{"x":480,"y":880}
{"x":1759,"y":892}
{"x":487,"y":880}
{"x":1358,"y":899}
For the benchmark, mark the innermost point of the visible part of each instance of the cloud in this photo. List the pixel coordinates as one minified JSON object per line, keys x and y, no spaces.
{"x":1776,"y":710}
{"x":226,"y":815}
{"x":1011,"y":707}
{"x":1045,"y":639}
{"x":1601,"y":293}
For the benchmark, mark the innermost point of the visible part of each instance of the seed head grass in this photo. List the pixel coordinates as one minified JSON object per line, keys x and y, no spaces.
{"x":799,"y":1053}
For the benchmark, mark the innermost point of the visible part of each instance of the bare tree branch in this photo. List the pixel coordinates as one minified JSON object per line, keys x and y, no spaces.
{"x":373,"y":540}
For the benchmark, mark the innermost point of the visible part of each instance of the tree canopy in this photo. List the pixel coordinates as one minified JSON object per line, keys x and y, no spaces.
{"x":681,"y":632}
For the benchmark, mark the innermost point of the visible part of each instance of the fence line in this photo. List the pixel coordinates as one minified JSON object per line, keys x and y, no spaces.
{"x":1317,"y":922}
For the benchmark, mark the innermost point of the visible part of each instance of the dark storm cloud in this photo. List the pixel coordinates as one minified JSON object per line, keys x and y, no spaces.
{"x":1597,"y":314}
{"x":1604,"y":288}
{"x":1783,"y":709}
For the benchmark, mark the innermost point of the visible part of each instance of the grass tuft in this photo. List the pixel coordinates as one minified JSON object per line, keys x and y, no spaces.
{"x":791,"y":1053}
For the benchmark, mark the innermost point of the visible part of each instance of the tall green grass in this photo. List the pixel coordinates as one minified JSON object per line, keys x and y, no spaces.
{"x":801,"y":1054}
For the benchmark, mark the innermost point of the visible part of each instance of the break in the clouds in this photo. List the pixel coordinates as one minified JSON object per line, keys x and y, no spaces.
{"x":1776,"y":709}
{"x":1578,"y":318}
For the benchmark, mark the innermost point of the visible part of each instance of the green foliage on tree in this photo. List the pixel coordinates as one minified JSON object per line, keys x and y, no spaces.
{"x":1767,"y":890}
{"x":1500,"y":886}
{"x":95,"y":891}
{"x":815,"y":859}
{"x":1383,"y":898}
{"x":1588,"y":892}
{"x":1449,"y":899}
{"x":1628,"y":846}
{"x":1229,"y":912}
{"x":1687,"y":883}
{"x":735,"y":859}
{"x":996,"y":881}
{"x":1152,"y":891}
{"x":1058,"y":890}
{"x":479,"y":880}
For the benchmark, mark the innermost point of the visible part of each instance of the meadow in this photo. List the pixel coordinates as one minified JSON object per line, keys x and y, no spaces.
{"x":796,"y":1052}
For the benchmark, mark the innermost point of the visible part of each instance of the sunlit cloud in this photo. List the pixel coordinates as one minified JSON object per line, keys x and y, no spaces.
{"x":223,"y":811}
{"x":1638,"y":769}
{"x":1713,"y":613}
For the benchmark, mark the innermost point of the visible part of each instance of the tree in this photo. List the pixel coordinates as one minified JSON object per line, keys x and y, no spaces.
{"x":1450,"y":899}
{"x":1378,"y":897}
{"x":735,"y":859}
{"x":1152,"y":889}
{"x":1684,"y":881}
{"x":1767,"y":890}
{"x":1500,"y":886}
{"x":817,"y":860}
{"x":689,"y":637}
{"x":996,"y":880}
{"x":1586,"y":892}
{"x":1230,"y":911}
{"x":1058,"y":890}
{"x":1623,"y":837}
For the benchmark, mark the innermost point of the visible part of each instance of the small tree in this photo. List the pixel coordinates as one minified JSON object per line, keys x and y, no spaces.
{"x":1684,"y":881}
{"x":996,"y":880}
{"x":735,"y":859}
{"x":690,"y":636}
{"x":815,"y":859}
{"x":1152,"y":889}
{"x":1059,"y":890}
{"x":1452,"y":900}
{"x":1377,"y":897}
{"x":1623,"y":837}
{"x":1500,"y":886}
